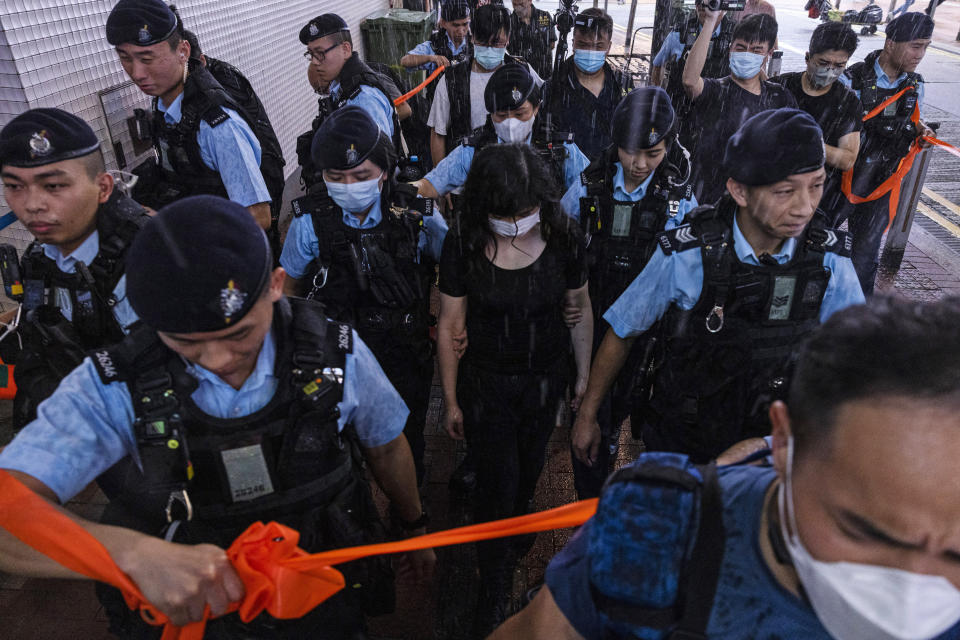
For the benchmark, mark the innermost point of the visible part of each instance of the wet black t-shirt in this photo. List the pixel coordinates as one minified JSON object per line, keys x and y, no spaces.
{"x":716,"y":115}
{"x":838,"y":112}
{"x":515,"y":316}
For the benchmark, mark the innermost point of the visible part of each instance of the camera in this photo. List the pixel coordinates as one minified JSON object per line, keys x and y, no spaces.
{"x":725,"y":5}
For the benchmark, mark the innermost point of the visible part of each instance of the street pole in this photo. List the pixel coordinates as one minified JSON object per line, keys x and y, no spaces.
{"x":605,"y":5}
{"x":893,"y":5}
{"x":633,"y":14}
{"x":899,"y":232}
{"x":933,"y":9}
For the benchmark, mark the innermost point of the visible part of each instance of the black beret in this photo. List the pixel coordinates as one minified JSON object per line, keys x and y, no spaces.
{"x":198,"y":266}
{"x":774,"y":145}
{"x":345,"y":139}
{"x":508,"y":88}
{"x":454,"y":10}
{"x":643,"y":118}
{"x":913,"y":25}
{"x":323,"y":25}
{"x":140,"y":22}
{"x":45,"y":136}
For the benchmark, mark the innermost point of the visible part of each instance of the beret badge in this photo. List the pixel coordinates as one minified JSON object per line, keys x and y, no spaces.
{"x":231,"y":301}
{"x":40,"y":145}
{"x":352,"y":155}
{"x":516,"y":95}
{"x":313,"y":30}
{"x":144,"y":34}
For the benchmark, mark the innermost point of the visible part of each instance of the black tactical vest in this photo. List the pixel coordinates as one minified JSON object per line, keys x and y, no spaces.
{"x":886,"y":137}
{"x":372,"y":278}
{"x":354,"y":75}
{"x":441,"y":47}
{"x":717,"y":64}
{"x":458,"y":91}
{"x":719,"y":365}
{"x":206,"y":479}
{"x":180,"y":170}
{"x":52,"y":345}
{"x":548,"y":145}
{"x":622,"y":235}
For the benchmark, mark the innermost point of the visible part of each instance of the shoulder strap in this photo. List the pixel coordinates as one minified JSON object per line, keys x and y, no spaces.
{"x":320,"y":348}
{"x":820,"y":238}
{"x":700,"y":574}
{"x":704,"y":228}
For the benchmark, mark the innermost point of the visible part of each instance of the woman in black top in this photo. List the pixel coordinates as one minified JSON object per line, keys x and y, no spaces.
{"x":507,"y":269}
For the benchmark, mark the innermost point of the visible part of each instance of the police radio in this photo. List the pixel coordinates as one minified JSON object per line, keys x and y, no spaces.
{"x":10,"y":272}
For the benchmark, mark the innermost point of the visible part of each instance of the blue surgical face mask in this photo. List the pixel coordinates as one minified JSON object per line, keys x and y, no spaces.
{"x":589,"y":61}
{"x":489,"y":57}
{"x":355,"y":197}
{"x":745,"y":64}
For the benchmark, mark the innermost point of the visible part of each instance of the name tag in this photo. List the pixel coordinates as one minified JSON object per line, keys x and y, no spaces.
{"x":621,"y":220}
{"x":782,"y":301}
{"x":247,"y":473}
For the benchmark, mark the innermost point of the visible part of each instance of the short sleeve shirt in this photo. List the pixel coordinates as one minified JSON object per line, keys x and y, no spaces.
{"x":716,"y":114}
{"x":838,"y":112}
{"x":439,"y":118}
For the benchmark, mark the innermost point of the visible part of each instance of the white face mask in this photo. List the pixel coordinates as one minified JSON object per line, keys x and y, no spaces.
{"x":514,"y":129}
{"x":867,"y":602}
{"x":509,"y":229}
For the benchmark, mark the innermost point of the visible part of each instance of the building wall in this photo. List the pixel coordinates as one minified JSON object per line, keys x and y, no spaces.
{"x":53,"y":53}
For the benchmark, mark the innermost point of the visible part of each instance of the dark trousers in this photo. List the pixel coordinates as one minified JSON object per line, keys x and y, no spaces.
{"x":410,"y":371}
{"x":507,"y":420}
{"x":866,"y":223}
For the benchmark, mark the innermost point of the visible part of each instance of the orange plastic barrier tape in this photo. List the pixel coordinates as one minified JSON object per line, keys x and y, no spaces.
{"x":420,"y":87}
{"x":278,"y":576}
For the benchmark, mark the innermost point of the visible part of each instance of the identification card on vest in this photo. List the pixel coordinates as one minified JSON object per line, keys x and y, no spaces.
{"x":247,"y":473}
{"x":621,"y":220}
{"x":782,"y":300}
{"x":891,"y":109}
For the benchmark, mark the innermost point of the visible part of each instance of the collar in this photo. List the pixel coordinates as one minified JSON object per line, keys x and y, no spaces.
{"x":262,"y":370}
{"x":85,"y":253}
{"x":882,"y":75}
{"x":174,"y":111}
{"x":620,"y":186}
{"x":373,"y":218}
{"x":746,"y":254}
{"x":454,"y":48}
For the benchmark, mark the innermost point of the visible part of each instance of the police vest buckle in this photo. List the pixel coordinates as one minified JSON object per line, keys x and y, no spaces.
{"x":182,"y":498}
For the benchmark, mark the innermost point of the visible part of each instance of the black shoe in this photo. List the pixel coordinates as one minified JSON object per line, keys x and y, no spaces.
{"x":464,"y":478}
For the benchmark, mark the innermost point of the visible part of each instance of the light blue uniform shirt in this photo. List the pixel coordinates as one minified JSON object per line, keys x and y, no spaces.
{"x":672,"y":48}
{"x":571,"y":199}
{"x":885,"y":82}
{"x":85,"y":427}
{"x":301,"y":246}
{"x":425,"y":49}
{"x":678,"y":278}
{"x":451,"y":172}
{"x":231,"y":149}
{"x":85,"y":253}
{"x":373,"y":101}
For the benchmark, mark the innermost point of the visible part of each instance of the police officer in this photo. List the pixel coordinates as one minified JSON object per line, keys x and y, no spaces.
{"x":622,"y":201}
{"x":582,"y":97}
{"x":458,"y":105}
{"x":533,"y":36}
{"x":205,"y":141}
{"x":229,"y":404}
{"x":369,"y":258}
{"x":826,"y":545}
{"x":720,"y":106}
{"x":243,"y":93}
{"x":513,"y":99}
{"x":676,"y":49}
{"x":887,"y":137}
{"x":348,"y":80}
{"x":71,"y":284}
{"x":734,"y":291}
{"x":448,"y":44}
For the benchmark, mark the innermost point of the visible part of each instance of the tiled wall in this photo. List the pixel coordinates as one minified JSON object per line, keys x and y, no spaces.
{"x":53,"y":53}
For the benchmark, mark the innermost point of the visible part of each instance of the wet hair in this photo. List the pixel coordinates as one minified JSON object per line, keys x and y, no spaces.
{"x":757,"y":28}
{"x":504,"y":180}
{"x":488,"y":21}
{"x":892,"y":347}
{"x":833,"y":36}
{"x":602,"y":25}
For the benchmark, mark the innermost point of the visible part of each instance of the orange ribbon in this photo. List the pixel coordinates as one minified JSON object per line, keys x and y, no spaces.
{"x":420,"y":87}
{"x":278,"y":576}
{"x":893,"y":183}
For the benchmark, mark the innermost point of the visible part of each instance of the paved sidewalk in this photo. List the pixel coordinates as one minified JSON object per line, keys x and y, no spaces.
{"x":32,"y":609}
